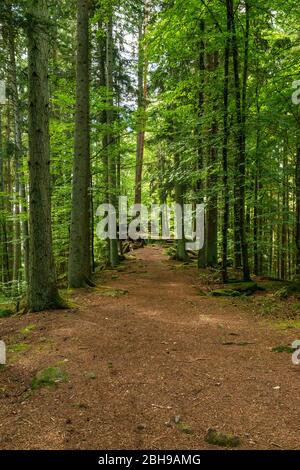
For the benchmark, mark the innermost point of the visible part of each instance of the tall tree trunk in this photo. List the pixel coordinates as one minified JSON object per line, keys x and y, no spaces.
{"x":8,"y":190}
{"x":42,"y":292}
{"x":142,"y":97}
{"x":200,"y":131}
{"x":181,"y":254}
{"x":80,"y":249}
{"x":285,"y":218}
{"x":226,"y":208}
{"x":297,"y":232}
{"x":102,"y":42}
{"x":110,"y":140}
{"x":21,"y":226}
{"x":257,"y":203}
{"x":3,"y":266}
{"x":212,"y":204}
{"x":241,"y":137}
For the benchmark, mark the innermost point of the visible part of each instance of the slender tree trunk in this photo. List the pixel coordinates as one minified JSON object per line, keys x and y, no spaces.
{"x":2,"y":206}
{"x":21,"y":226}
{"x":80,"y":249}
{"x":297,"y":231}
{"x":142,"y":97}
{"x":212,"y":204}
{"x":285,"y":219}
{"x":226,"y":207}
{"x":241,"y":137}
{"x":257,"y":203}
{"x":102,"y":40}
{"x":200,"y":131}
{"x":42,"y":292}
{"x":181,"y":254}
{"x":111,"y":151}
{"x":8,"y":190}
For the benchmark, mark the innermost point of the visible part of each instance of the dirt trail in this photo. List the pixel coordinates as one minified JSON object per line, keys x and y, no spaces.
{"x":136,"y":361}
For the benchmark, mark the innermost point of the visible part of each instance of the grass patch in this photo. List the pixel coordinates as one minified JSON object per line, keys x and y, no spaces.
{"x":223,"y":440}
{"x":18,"y":347}
{"x":272,"y":307}
{"x":28,"y":329}
{"x":289,"y":324}
{"x":49,"y":377}
{"x":202,"y":293}
{"x":170,"y":251}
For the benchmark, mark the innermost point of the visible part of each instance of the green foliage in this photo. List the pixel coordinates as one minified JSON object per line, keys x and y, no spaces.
{"x":4,"y":313}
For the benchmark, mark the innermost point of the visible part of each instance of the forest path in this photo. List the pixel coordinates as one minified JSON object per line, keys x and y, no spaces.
{"x":136,"y":361}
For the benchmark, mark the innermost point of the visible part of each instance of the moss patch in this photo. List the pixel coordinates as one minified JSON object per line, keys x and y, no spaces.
{"x":111,"y":292}
{"x":48,"y":378}
{"x":237,"y":290}
{"x":223,"y":440}
{"x":244,"y":288}
{"x":225,"y":293}
{"x":184,"y":428}
{"x":282,"y":349}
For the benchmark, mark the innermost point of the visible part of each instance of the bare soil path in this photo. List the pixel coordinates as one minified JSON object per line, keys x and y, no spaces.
{"x":136,"y":361}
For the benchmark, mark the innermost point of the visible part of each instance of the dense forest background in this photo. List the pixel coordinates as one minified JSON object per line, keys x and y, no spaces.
{"x":162,"y":101}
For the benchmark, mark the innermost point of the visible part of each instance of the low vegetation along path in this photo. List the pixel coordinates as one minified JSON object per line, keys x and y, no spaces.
{"x":145,"y":362}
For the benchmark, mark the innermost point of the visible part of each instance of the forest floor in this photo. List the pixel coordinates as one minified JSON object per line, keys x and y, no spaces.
{"x":149,"y":363}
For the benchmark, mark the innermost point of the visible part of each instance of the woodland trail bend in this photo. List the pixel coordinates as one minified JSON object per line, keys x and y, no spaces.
{"x":136,"y":361}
